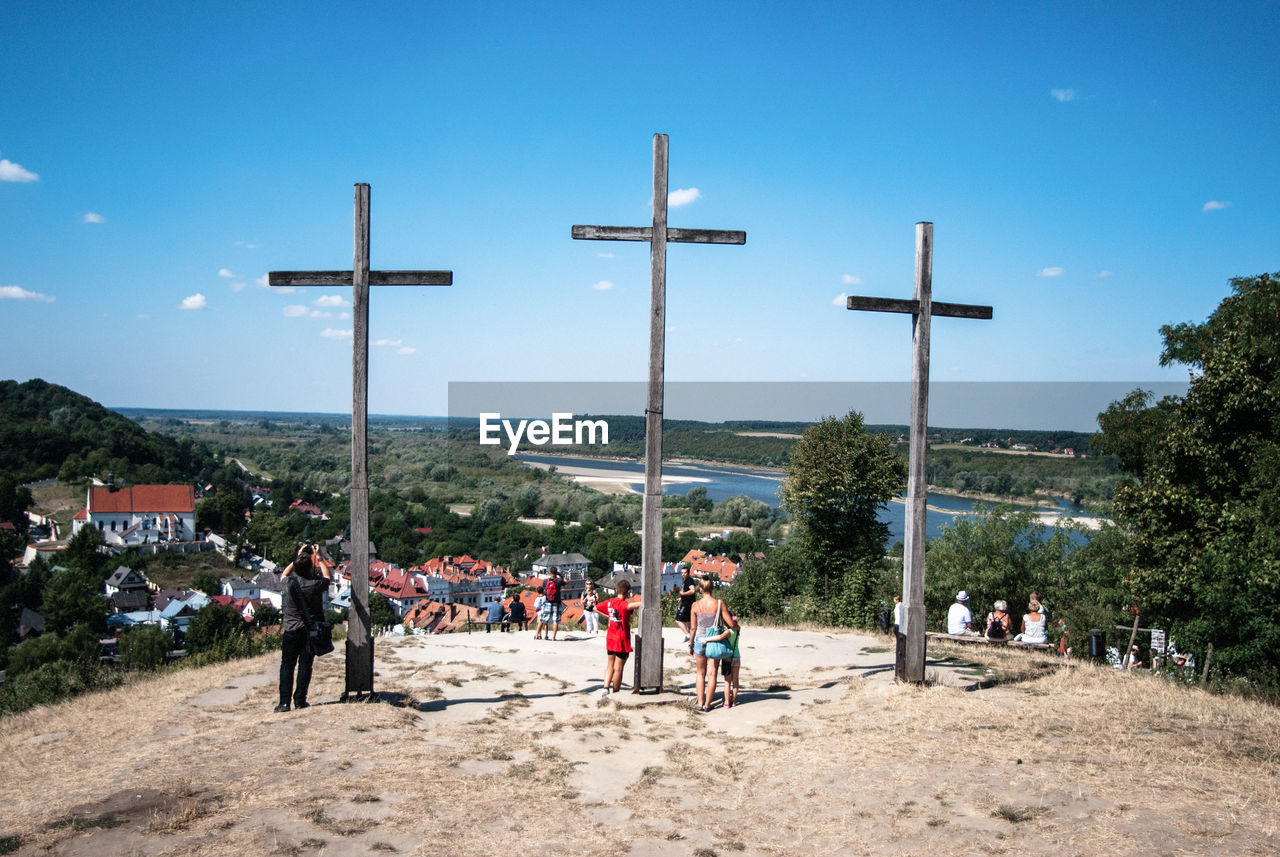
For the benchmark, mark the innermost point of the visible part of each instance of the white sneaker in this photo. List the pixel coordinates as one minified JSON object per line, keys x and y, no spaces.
{"x":604,"y":691}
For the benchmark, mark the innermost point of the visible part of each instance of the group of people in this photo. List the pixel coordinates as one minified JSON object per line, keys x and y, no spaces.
{"x":999,"y":624}
{"x":548,"y":609}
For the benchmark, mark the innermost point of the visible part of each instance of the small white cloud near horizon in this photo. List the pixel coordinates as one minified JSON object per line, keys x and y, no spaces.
{"x":330,"y":333}
{"x":93,"y":217}
{"x":851,"y":280}
{"x":331,"y":300}
{"x":226,"y":274}
{"x":602,"y":286}
{"x":606,"y":255}
{"x":683,"y":196}
{"x":196,"y":301}
{"x":1214,"y":205}
{"x":18,"y":293}
{"x":248,"y":245}
{"x":1049,"y":272}
{"x":1102,"y":275}
{"x":388,"y":342}
{"x":840,"y":300}
{"x":11,"y":172}
{"x":1063,"y":95}
{"x":408,"y":349}
{"x":300,"y":311}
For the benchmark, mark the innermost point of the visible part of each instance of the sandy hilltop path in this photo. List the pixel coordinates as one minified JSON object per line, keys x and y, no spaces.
{"x":494,"y":743}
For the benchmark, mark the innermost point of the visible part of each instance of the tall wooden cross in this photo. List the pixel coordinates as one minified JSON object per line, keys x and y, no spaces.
{"x":922,"y":308}
{"x":649,"y":656}
{"x":360,"y":278}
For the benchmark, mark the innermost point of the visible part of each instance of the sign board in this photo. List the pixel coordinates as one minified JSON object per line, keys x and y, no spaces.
{"x":1157,"y":640}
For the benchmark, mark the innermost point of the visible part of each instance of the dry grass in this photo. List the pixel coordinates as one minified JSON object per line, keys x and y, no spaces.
{"x":1077,"y":761}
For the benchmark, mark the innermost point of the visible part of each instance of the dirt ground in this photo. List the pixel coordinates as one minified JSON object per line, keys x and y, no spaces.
{"x":485,"y":743}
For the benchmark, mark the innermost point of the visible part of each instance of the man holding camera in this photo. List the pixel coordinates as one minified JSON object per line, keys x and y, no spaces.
{"x":304,"y":588}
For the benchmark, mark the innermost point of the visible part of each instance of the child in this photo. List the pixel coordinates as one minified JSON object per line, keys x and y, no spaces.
{"x":730,"y":667}
{"x":617,"y":638}
{"x":540,"y":614}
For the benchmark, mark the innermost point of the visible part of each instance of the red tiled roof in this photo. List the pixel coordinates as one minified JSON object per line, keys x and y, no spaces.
{"x":142,"y":498}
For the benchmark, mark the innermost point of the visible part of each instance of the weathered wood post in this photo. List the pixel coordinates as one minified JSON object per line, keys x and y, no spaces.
{"x":359,"y":662}
{"x":922,"y":309}
{"x":649,"y":659}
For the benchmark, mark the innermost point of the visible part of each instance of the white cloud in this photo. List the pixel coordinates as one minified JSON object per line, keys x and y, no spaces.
{"x":93,"y":217}
{"x":344,"y":315}
{"x":262,"y":281}
{"x":11,"y":172}
{"x":851,"y":280}
{"x":331,"y":300}
{"x":330,"y":333}
{"x":18,"y":293}
{"x":1063,"y":95}
{"x":1214,"y":205}
{"x":144,"y":315}
{"x":683,"y":196}
{"x":226,"y":274}
{"x":840,"y":300}
{"x":602,"y":286}
{"x":196,"y":301}
{"x":1102,"y":275}
{"x":388,"y":342}
{"x":300,"y":311}
{"x":606,"y":255}
{"x":407,"y":350}
{"x":248,"y":245}
{"x":1049,"y":272}
{"x":237,"y":287}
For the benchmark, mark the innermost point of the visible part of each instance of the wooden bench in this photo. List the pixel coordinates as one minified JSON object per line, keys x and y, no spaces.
{"x":966,"y":638}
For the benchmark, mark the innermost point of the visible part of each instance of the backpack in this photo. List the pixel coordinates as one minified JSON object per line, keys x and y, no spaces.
{"x":552,"y":590}
{"x":997,"y":631}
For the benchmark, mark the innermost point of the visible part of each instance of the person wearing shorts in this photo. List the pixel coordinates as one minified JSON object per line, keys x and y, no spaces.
{"x":707,"y":613}
{"x":617,"y":638}
{"x":688,"y":594}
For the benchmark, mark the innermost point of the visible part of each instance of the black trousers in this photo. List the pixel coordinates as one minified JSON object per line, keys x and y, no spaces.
{"x":294,"y":651}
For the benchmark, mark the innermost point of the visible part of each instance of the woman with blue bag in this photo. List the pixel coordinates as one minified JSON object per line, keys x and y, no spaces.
{"x":710,"y":620}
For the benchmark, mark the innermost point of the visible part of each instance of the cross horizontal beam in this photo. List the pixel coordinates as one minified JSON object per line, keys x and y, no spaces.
{"x":913,"y":307}
{"x":645,"y":233}
{"x":345,"y":278}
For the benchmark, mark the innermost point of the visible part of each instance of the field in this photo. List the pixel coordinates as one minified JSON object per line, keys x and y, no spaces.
{"x":488,"y":742}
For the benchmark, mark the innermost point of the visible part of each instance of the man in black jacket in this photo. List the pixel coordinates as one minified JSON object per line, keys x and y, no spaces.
{"x":304,"y":589}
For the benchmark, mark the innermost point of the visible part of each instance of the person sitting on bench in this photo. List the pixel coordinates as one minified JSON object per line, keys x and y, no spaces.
{"x":496,"y":615}
{"x":516,"y":615}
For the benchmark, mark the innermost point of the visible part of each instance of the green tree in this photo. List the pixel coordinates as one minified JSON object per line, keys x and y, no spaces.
{"x":381,"y":614}
{"x":144,"y":647}
{"x":207,"y":582}
{"x":1202,"y":513}
{"x":71,"y":596}
{"x":213,"y":625}
{"x":839,"y":478}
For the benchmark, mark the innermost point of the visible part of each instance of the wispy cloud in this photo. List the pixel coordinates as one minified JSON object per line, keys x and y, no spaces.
{"x":1063,"y":95}
{"x":388,"y":342}
{"x":851,"y":280}
{"x":93,"y":217}
{"x":226,"y":274}
{"x":11,"y":172}
{"x":331,"y":300}
{"x":300,"y":311}
{"x":605,"y":255}
{"x":330,"y":333}
{"x":1102,"y":275}
{"x":408,"y":349}
{"x":1049,"y":272}
{"x":196,"y":301}
{"x":840,"y":300}
{"x":248,"y":245}
{"x":18,"y":293}
{"x":683,"y":196}
{"x":602,"y":286}
{"x":1215,"y":205}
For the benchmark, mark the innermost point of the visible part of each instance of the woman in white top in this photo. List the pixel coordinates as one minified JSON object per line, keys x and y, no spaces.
{"x":1033,"y":625}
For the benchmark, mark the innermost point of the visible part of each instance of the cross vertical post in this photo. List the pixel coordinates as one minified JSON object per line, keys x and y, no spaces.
{"x":922,"y":309}
{"x":359,"y":653}
{"x":649,"y":658}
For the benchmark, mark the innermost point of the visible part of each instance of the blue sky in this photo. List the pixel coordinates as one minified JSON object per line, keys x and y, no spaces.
{"x":1092,"y":170}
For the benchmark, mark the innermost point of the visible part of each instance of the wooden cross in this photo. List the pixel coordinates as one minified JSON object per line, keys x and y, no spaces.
{"x":649,"y":657}
{"x":360,"y":278}
{"x":922,"y":308}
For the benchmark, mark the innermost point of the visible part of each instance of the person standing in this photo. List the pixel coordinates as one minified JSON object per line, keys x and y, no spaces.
{"x":555,"y":601}
{"x":540,"y":613}
{"x":304,"y":591}
{"x":688,"y":594}
{"x":590,"y":598}
{"x":617,"y":638}
{"x":707,"y":613}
